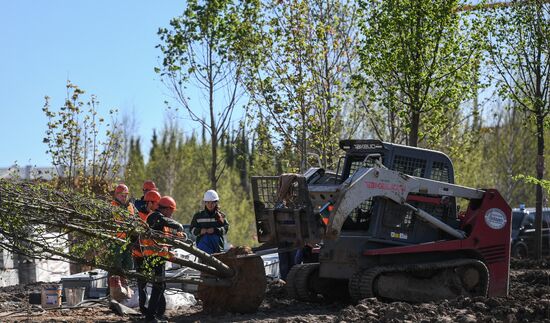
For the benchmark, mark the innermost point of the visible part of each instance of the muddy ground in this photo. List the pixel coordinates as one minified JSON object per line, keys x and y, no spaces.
{"x":528,"y":301}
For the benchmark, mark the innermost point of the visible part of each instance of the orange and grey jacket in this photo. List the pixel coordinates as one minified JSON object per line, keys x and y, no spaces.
{"x":149,"y":247}
{"x":117,"y":218}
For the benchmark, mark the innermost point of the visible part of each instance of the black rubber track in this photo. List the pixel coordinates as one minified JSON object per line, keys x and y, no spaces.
{"x":362,"y":283}
{"x":303,"y":276}
{"x":291,"y":281}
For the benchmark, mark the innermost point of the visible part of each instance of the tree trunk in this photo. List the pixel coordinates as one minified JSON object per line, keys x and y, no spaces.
{"x":214,"y":143}
{"x":540,"y":174}
{"x":304,"y":145}
{"x":213,"y":129}
{"x":415,"y":122}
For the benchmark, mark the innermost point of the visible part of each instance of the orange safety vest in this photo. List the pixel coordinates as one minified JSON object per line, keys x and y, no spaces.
{"x":172,"y":232}
{"x":137,"y":251}
{"x":120,"y":234}
{"x":149,"y":247}
{"x":143,"y":216}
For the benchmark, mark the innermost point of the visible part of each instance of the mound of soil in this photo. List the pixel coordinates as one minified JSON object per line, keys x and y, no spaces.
{"x":528,"y":301}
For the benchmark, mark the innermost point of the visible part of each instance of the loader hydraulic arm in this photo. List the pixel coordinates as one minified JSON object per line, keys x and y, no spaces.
{"x":382,"y":182}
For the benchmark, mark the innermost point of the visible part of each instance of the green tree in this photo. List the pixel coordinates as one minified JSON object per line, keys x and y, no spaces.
{"x":178,"y":169}
{"x":264,"y":157}
{"x":242,"y":156}
{"x":519,"y":48}
{"x":166,"y":159}
{"x":237,"y":204}
{"x":502,"y":152}
{"x":134,"y":172}
{"x":200,"y":49}
{"x":418,"y":63}
{"x":84,"y":148}
{"x":298,"y":73}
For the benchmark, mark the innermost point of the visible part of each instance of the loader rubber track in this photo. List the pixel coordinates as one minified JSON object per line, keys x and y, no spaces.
{"x":452,"y":278}
{"x":291,"y":281}
{"x":298,"y":286}
{"x":362,"y":283}
{"x":354,"y":286}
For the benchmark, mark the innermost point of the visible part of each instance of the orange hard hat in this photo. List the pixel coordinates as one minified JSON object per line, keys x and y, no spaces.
{"x":167,"y":202}
{"x":121,"y":188}
{"x":149,"y":186}
{"x":151,"y":196}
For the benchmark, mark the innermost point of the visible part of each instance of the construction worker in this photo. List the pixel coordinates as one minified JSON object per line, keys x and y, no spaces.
{"x":210,"y":225}
{"x":140,"y":204}
{"x":151,"y":199}
{"x":124,"y":258}
{"x":160,"y":220}
{"x":122,"y":254}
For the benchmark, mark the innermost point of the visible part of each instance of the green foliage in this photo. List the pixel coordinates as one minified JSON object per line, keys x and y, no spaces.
{"x":519,"y":49}
{"x":84,"y":148}
{"x":237,"y":205}
{"x":180,"y":167}
{"x":501,"y":152}
{"x":201,"y":49}
{"x":264,"y":155}
{"x":61,"y":223}
{"x":297,"y":74}
{"x":533,"y":181}
{"x":418,"y":63}
{"x":134,"y":172}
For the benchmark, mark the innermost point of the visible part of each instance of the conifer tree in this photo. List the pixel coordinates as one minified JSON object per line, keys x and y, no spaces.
{"x":134,"y":173}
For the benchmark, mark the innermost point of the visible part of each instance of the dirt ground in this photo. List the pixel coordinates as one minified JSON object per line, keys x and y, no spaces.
{"x":528,"y":301}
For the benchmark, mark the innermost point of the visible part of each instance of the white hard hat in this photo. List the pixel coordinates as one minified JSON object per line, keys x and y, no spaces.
{"x":211,"y":196}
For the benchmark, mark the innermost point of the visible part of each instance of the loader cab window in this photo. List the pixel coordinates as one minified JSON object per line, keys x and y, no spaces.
{"x":359,"y":219}
{"x":440,"y":172}
{"x":383,"y":218}
{"x":410,"y":166}
{"x":398,"y":217}
{"x":356,"y":162}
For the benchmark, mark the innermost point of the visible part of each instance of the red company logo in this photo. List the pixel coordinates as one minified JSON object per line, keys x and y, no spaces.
{"x":386,"y":186}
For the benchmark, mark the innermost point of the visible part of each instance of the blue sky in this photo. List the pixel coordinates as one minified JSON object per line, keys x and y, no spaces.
{"x":105,"y":47}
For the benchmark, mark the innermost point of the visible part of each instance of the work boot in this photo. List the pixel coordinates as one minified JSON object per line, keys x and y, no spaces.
{"x":155,"y":320}
{"x":143,"y":310}
{"x":149,"y":319}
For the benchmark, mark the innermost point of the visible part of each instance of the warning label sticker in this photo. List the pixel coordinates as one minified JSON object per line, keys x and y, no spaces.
{"x":398,"y":235}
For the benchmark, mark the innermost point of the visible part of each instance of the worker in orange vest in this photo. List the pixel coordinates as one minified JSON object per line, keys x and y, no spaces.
{"x":151,"y":199}
{"x":124,"y":260}
{"x":121,"y":198}
{"x":140,"y":204}
{"x":156,"y":256}
{"x":121,"y":253}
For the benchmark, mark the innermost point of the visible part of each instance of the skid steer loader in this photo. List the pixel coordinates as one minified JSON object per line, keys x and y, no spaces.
{"x":388,"y":225}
